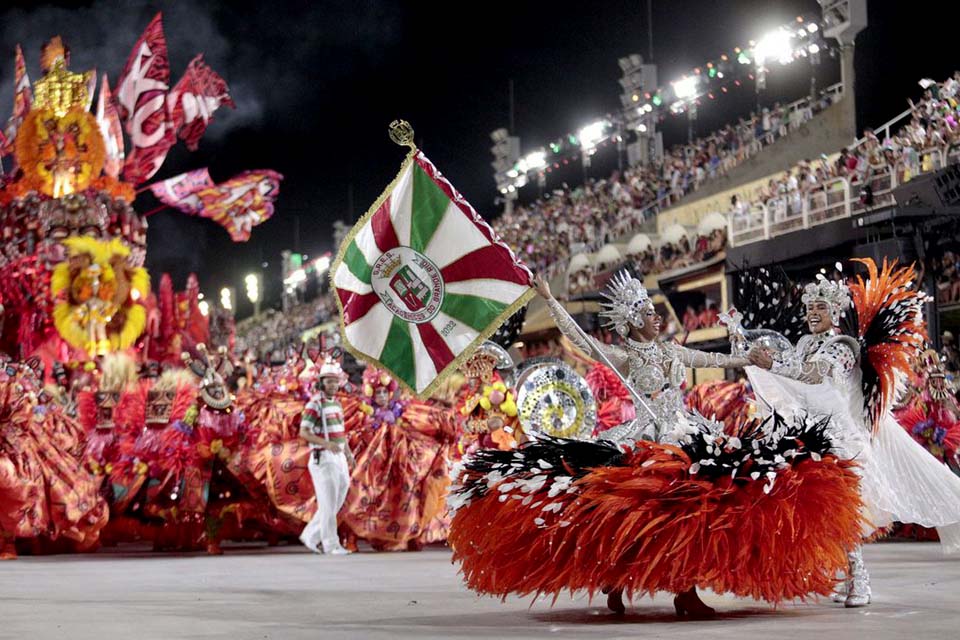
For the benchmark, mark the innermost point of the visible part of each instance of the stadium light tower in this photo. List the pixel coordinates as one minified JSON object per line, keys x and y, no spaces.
{"x":506,"y":154}
{"x":843,"y":20}
{"x":637,"y":81}
{"x":226,"y":298}
{"x":252,"y":283}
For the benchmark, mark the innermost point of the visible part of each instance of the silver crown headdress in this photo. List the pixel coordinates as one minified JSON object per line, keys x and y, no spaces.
{"x":627,"y":299}
{"x":835,"y":294}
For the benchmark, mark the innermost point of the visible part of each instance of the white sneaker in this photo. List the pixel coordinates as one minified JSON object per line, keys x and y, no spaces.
{"x":307,"y":544}
{"x":339,"y":551}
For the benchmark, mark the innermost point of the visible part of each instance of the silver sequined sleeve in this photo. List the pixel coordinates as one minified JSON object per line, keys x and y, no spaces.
{"x":833,"y":362}
{"x":569,"y":327}
{"x":702,"y":359}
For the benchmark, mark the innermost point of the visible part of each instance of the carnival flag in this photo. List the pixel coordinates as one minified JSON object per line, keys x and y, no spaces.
{"x":193,"y":100}
{"x":180,"y":191}
{"x":421,"y":280}
{"x":22,"y":98}
{"x":238,"y":205}
{"x":109,"y":121}
{"x":141,"y":96}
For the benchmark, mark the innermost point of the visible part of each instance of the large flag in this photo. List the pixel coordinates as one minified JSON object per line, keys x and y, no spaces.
{"x":22,"y":99}
{"x":109,"y":121}
{"x":421,"y":280}
{"x":193,"y":100}
{"x":238,"y":205}
{"x":142,"y":96}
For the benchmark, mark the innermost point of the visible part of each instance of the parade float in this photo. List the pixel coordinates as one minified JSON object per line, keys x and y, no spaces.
{"x":109,"y":397}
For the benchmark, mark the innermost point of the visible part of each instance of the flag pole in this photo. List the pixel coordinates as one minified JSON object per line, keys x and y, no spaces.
{"x":401,"y":133}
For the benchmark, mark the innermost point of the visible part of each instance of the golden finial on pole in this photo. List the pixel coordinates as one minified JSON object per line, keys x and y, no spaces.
{"x":402,"y":133}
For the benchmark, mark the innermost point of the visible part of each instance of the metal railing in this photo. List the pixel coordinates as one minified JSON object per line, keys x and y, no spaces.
{"x":834,"y":199}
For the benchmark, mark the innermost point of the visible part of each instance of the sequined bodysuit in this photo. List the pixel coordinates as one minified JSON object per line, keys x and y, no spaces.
{"x":655,"y":370}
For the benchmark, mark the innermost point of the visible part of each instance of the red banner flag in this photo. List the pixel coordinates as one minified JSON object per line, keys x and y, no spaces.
{"x":141,"y":96}
{"x":22,"y":98}
{"x":242,"y":202}
{"x":109,"y":120}
{"x":180,"y":191}
{"x":191,"y":104}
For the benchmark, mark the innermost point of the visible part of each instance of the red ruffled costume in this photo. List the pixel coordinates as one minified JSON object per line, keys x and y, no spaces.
{"x":45,"y":493}
{"x":399,"y":484}
{"x":563,"y":515}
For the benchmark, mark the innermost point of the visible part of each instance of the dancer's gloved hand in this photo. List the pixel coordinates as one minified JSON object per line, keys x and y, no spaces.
{"x":542,"y":287}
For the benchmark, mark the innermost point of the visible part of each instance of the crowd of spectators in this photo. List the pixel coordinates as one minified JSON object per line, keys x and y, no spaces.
{"x":924,"y":143}
{"x":569,"y":220}
{"x":546,"y":232}
{"x":267,"y":337}
{"x":652,"y":260}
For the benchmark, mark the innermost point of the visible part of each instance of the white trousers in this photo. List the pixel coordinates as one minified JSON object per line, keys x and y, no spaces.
{"x":331,"y":479}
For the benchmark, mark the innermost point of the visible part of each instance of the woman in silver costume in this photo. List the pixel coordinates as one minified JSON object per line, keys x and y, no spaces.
{"x":654,"y":369}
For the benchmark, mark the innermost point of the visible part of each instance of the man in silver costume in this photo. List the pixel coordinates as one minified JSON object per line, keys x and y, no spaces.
{"x":826,"y":356}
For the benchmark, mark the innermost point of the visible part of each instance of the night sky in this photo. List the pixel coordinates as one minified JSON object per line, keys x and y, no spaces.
{"x":316,"y":84}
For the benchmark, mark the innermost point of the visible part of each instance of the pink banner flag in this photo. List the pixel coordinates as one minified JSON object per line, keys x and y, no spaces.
{"x":180,"y":191}
{"x":141,"y":97}
{"x":22,"y":98}
{"x":109,"y":120}
{"x":192,"y":102}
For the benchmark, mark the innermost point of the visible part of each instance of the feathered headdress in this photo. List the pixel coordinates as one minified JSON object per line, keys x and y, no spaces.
{"x":627,"y":299}
{"x":374,"y":379}
{"x":887,"y":319}
{"x":835,"y":294}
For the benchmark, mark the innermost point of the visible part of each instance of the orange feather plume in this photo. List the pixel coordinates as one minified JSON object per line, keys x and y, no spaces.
{"x":889,"y":324}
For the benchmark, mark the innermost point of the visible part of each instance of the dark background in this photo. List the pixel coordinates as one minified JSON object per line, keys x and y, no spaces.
{"x":316,"y":83}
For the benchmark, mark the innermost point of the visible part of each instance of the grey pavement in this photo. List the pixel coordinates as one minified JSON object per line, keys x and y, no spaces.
{"x":259,"y":593}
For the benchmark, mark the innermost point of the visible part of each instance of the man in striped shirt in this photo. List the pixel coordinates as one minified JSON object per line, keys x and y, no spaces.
{"x":322,"y":425}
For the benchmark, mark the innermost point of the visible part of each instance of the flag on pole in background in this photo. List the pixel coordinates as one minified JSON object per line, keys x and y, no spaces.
{"x":421,"y":280}
{"x":238,"y":205}
{"x":141,"y":96}
{"x":22,"y":98}
{"x":193,"y":101}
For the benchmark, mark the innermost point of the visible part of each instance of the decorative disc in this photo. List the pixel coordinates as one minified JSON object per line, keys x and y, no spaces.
{"x":556,"y":401}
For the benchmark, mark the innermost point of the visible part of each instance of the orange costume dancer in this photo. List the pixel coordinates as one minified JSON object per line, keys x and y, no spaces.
{"x":155,"y":480}
{"x":45,"y":493}
{"x":930,"y":414}
{"x":399,"y":484}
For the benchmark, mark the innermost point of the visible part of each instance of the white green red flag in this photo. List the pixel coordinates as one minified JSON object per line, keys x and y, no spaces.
{"x":422,"y":280}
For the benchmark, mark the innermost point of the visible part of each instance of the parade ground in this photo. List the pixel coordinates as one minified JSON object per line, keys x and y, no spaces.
{"x":256,"y":593}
